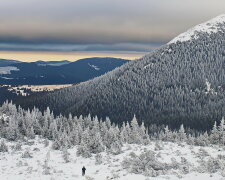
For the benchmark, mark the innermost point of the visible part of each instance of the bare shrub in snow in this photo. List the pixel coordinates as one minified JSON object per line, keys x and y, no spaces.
{"x":29,"y":143}
{"x":202,"y":153}
{"x":146,"y":164}
{"x":19,"y":164}
{"x":46,"y":142}
{"x":98,"y":159}
{"x":159,"y":155}
{"x":178,"y":153}
{"x":212,"y":165}
{"x":184,"y":166}
{"x":3,"y":147}
{"x":158,"y":147}
{"x":26,"y":154}
{"x":56,"y":145}
{"x":66,"y":155}
{"x":174,"y":163}
{"x":89,"y":178}
{"x":115,"y":148}
{"x":36,"y":149}
{"x":18,"y":147}
{"x":46,"y":164}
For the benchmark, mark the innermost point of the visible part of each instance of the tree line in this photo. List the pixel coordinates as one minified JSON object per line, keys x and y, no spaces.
{"x":93,"y":135}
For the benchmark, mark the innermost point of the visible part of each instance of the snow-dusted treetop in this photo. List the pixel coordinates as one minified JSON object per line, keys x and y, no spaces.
{"x":211,"y":26}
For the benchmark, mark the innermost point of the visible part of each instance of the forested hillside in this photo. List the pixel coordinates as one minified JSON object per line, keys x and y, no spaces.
{"x":183,"y":82}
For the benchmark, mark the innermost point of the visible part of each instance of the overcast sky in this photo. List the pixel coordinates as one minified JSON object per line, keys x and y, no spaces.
{"x":99,"y":25}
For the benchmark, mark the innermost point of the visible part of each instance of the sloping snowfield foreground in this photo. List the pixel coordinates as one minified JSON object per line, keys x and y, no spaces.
{"x":35,"y":159}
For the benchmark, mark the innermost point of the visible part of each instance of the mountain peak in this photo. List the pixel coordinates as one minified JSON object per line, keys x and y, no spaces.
{"x":212,"y":26}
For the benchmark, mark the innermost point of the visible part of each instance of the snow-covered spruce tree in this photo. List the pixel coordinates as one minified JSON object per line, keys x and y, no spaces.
{"x":75,"y":134}
{"x":12,"y":129}
{"x":113,"y":142}
{"x":96,"y":144}
{"x":144,"y":134}
{"x":222,"y":131}
{"x":190,"y":140}
{"x":53,"y":130}
{"x":47,"y":119}
{"x":30,"y":132}
{"x":214,"y":136}
{"x":103,"y":130}
{"x":181,"y":135}
{"x":135,"y":137}
{"x":83,"y":149}
{"x":124,"y":133}
{"x":167,"y":135}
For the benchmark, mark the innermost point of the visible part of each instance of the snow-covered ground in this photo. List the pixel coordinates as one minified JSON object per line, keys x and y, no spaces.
{"x":8,"y":69}
{"x":14,"y":167}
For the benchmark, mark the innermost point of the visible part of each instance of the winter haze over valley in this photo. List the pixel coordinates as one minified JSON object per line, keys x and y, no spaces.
{"x":112,"y":90}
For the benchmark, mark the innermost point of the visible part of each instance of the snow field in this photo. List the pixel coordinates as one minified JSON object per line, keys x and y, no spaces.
{"x":14,"y":166}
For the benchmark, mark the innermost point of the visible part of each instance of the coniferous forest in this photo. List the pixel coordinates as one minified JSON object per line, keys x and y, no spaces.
{"x":93,"y":137}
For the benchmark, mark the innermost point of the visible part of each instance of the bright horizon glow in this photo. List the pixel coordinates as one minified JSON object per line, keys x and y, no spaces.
{"x":31,"y":56}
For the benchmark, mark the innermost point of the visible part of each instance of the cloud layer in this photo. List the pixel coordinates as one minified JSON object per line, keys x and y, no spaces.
{"x":99,"y":24}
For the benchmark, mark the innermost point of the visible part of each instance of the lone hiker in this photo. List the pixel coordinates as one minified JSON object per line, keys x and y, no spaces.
{"x":83,"y":170}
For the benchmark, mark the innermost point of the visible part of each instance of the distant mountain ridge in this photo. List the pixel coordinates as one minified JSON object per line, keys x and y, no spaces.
{"x":56,"y":72}
{"x":182,"y":82}
{"x":7,"y":62}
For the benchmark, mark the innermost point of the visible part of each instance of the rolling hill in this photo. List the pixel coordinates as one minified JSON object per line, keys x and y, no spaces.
{"x":182,"y":82}
{"x":55,"y":72}
{"x":7,"y":62}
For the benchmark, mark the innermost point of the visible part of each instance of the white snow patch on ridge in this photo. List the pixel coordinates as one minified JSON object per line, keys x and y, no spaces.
{"x":211,"y":26}
{"x":8,"y":69}
{"x":95,"y":67}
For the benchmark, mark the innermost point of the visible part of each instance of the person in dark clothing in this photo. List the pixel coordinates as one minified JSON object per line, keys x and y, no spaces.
{"x":83,"y":171}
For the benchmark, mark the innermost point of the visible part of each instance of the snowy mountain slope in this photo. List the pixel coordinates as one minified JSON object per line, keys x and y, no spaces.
{"x":16,"y":166}
{"x":211,"y":26}
{"x":167,"y":86}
